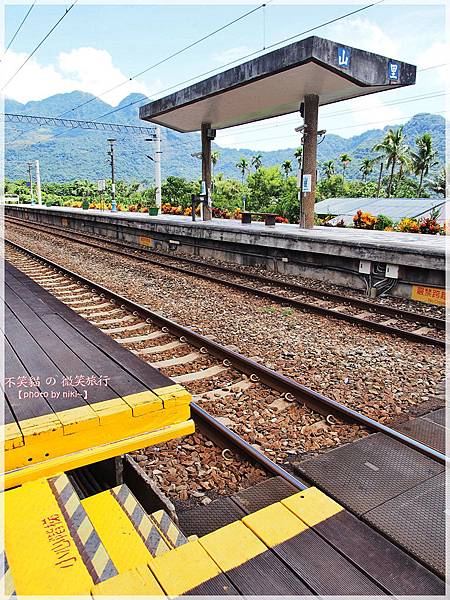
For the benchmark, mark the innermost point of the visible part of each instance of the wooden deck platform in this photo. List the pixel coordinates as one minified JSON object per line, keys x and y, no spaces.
{"x":73,"y":394}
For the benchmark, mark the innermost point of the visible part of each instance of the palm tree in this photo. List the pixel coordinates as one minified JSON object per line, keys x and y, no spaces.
{"x":393,"y":147}
{"x":438,"y":183}
{"x":287,"y":168}
{"x":243,"y":167}
{"x":366,"y":167}
{"x":328,"y":168}
{"x":299,"y":155}
{"x":424,"y":159}
{"x":257,"y":161}
{"x":345,"y":159}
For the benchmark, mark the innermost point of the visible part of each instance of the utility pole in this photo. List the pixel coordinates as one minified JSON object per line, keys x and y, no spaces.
{"x":157,"y":160}
{"x":30,"y":172}
{"x":113,"y":181}
{"x":158,"y":167}
{"x":38,"y":183}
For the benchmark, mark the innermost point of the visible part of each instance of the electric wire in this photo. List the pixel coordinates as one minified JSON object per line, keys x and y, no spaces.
{"x":18,"y":29}
{"x":39,"y":45}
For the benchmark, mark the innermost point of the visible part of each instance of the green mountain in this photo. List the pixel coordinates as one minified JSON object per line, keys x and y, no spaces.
{"x":67,"y":154}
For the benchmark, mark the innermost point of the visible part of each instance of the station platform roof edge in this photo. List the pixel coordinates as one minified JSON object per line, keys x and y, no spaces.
{"x":275,"y":83}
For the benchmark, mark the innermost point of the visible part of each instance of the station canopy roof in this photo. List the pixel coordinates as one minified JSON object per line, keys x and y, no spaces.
{"x":275,"y":83}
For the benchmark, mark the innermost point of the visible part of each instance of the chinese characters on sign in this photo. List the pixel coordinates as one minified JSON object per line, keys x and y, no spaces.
{"x":393,"y":71}
{"x":429,"y":295}
{"x":344,"y":57}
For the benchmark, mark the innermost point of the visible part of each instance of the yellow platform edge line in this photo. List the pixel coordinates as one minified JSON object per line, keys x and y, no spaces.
{"x":184,"y":568}
{"x":90,"y":455}
{"x":40,"y":449}
{"x":138,"y":581}
{"x":312,"y":506}
{"x":274,"y":524}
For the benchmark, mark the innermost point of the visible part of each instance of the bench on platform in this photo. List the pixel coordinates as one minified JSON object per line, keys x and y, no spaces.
{"x":269,"y":218}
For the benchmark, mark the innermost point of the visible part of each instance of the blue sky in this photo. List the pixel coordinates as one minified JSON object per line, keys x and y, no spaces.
{"x":96,"y":47}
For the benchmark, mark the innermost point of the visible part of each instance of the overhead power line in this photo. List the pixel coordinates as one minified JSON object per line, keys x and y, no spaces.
{"x":170,"y":56}
{"x":281,"y":137}
{"x":246,"y":56}
{"x":39,"y":45}
{"x":19,"y":28}
{"x":428,"y":96}
{"x":160,"y":62}
{"x":74,"y":124}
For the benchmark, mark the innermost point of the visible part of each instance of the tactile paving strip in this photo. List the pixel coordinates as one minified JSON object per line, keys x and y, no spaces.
{"x":205,"y":519}
{"x":368,"y":472}
{"x":261,"y":495}
{"x":422,"y":506}
{"x":426,"y":431}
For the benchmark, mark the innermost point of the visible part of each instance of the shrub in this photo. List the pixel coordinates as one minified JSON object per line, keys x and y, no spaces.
{"x":383,"y":223}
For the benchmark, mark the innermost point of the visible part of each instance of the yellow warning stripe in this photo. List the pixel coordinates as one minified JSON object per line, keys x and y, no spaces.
{"x":144,"y":526}
{"x":45,"y":438}
{"x":116,"y":531}
{"x":42,"y":555}
{"x":95,"y":453}
{"x":138,"y":581}
{"x":168,"y":529}
{"x":186,"y":567}
{"x":93,"y":552}
{"x":105,"y":413}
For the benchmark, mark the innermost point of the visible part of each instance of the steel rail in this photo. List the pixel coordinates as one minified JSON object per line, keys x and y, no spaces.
{"x":294,"y":302}
{"x":389,"y":311}
{"x":314,"y":400}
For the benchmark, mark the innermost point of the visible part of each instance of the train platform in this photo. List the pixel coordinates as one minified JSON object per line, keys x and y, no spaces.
{"x":106,"y":544}
{"x":344,"y":256}
{"x":74,"y":396}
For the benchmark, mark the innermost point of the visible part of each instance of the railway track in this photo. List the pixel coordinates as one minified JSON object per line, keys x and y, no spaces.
{"x":199,"y":363}
{"x":409,"y":325}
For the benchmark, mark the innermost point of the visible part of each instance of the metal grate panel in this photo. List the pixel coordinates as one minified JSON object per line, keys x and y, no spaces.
{"x":424,"y":430}
{"x":263,"y":494}
{"x":437,"y":416}
{"x":205,"y":519}
{"x":416,"y":521}
{"x":368,"y":472}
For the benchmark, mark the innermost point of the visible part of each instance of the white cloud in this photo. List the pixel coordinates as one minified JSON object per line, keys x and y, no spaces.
{"x":364,"y":34}
{"x":232,"y":54}
{"x":85,"y":69}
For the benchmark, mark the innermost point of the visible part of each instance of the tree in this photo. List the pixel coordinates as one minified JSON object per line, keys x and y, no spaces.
{"x":298,"y":154}
{"x":265,"y":187}
{"x":287,"y":168}
{"x":243,"y":167}
{"x":345,"y":159}
{"x":424,"y":159}
{"x":257,"y":161}
{"x":393,"y":147}
{"x":438,"y":183}
{"x":366,"y":167}
{"x":328,"y":168}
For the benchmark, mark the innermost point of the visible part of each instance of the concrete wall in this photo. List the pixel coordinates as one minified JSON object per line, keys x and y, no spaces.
{"x":318,"y":256}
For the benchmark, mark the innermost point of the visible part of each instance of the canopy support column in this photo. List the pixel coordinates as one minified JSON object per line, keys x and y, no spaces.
{"x":207,"y":136}
{"x":309,"y":161}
